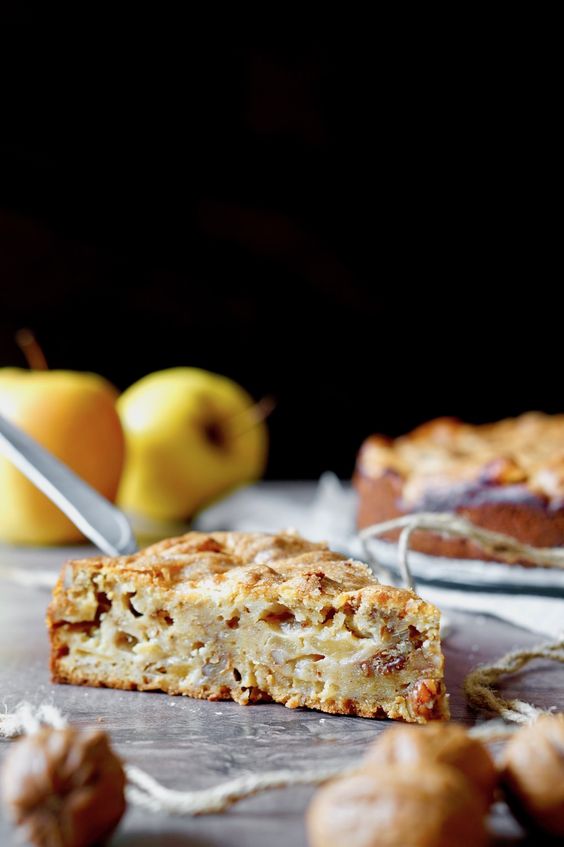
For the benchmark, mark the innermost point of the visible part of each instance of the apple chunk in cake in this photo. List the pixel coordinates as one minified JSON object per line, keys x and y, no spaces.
{"x":249,"y":617}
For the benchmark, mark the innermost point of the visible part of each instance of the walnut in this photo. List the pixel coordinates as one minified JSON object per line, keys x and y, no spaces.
{"x":533,"y":774}
{"x":446,"y":744}
{"x":64,"y":787}
{"x":398,"y":807}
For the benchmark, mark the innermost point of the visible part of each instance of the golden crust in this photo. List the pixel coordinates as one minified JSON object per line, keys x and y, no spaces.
{"x":526,"y":450}
{"x":266,"y":617}
{"x":249,"y":559}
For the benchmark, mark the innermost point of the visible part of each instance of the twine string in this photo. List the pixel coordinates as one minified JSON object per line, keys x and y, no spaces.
{"x":446,"y":523}
{"x":403,"y":557}
{"x":26,"y":719}
{"x":481,"y":695}
{"x":146,"y":792}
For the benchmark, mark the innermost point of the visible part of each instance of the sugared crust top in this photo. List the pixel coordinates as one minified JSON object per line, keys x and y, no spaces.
{"x":526,"y":451}
{"x":245,"y":562}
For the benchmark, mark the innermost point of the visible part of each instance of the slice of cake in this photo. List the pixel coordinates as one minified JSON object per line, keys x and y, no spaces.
{"x":249,"y":617}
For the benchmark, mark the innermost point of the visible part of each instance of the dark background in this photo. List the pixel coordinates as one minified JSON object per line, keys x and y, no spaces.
{"x":373,"y":243}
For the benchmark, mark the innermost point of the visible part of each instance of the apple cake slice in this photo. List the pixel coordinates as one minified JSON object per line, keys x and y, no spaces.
{"x":249,"y":617}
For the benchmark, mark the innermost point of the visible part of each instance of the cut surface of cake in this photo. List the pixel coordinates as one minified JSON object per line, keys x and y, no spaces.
{"x":249,"y":617}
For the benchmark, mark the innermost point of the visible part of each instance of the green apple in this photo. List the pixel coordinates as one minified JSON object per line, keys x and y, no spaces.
{"x":191,"y":436}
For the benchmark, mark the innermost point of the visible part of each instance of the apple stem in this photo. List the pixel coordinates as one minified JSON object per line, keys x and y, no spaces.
{"x":28,"y":344}
{"x":259,"y":411}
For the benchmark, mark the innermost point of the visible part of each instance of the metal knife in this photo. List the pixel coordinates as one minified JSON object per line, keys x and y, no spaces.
{"x":105,"y":525}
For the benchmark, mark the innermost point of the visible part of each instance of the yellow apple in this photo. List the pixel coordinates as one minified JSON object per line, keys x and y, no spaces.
{"x":190,"y":436}
{"x":74,"y":416}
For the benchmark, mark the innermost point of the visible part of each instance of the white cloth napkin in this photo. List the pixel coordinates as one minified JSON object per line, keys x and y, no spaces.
{"x":327,"y":514}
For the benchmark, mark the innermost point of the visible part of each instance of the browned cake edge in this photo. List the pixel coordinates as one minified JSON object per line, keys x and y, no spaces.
{"x":346,"y":707}
{"x":511,"y":509}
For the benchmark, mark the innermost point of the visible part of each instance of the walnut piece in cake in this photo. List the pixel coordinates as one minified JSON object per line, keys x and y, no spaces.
{"x":506,"y":476}
{"x":249,"y":617}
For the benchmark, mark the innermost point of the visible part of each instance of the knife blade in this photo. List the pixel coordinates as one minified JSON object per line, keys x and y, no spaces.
{"x":98,"y":519}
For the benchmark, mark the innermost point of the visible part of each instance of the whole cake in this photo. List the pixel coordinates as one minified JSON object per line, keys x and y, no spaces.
{"x":249,"y":617}
{"x":506,"y":476}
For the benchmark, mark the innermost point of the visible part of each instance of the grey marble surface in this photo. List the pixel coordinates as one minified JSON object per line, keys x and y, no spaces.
{"x":192,"y":744}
